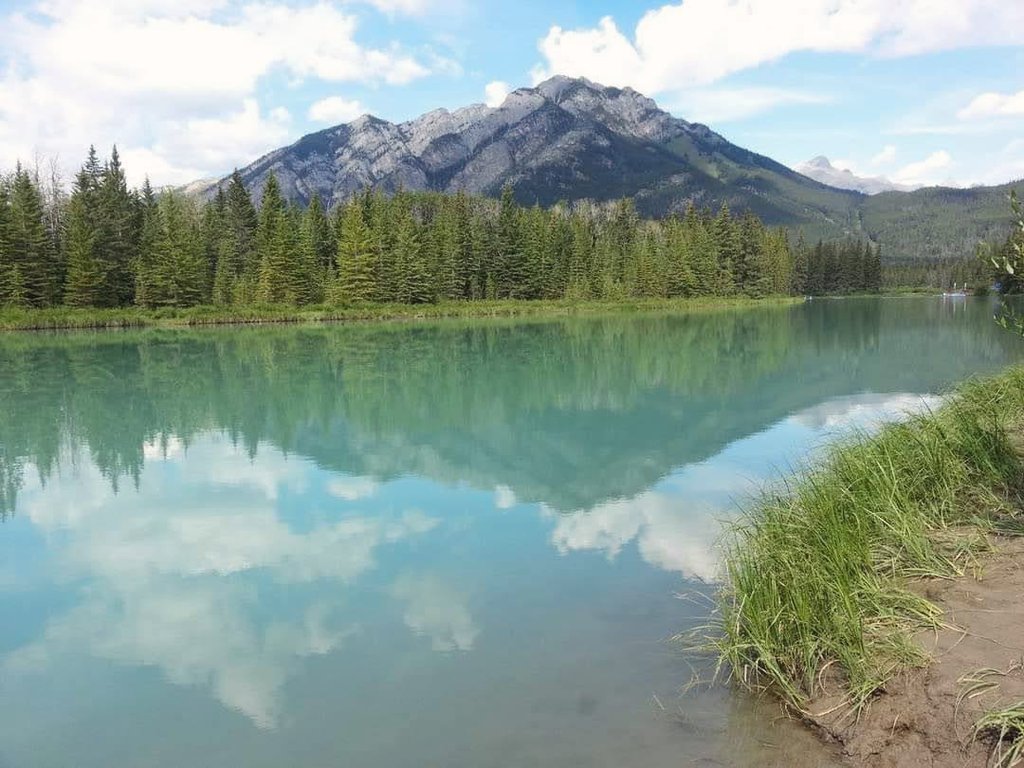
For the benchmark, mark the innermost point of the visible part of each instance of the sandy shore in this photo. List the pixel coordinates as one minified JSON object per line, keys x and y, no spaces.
{"x":922,"y":718}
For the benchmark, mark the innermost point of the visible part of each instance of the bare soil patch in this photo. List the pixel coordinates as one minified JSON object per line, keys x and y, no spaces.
{"x":922,"y":719}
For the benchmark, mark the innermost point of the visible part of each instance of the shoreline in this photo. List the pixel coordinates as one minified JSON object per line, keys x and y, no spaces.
{"x":927,"y":717}
{"x":878,"y":597}
{"x":66,"y":319}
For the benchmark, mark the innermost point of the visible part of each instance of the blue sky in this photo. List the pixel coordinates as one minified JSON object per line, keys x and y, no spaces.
{"x":923,"y":91}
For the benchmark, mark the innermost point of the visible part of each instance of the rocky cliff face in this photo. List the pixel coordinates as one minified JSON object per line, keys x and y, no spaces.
{"x":566,"y":139}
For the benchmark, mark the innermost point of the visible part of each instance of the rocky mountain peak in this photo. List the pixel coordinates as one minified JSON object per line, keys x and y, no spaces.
{"x":564,"y":139}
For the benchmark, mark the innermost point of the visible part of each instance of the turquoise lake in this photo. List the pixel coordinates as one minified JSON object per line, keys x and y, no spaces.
{"x":461,"y":545}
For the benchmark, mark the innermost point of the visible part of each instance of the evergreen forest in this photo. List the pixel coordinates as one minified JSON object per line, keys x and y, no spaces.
{"x":103,"y":244}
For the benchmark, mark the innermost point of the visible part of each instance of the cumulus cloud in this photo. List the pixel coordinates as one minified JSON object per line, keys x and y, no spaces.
{"x":173,"y":83}
{"x":670,"y":534}
{"x":334,"y":109}
{"x":436,"y":610}
{"x":994,"y":105}
{"x":680,"y":45}
{"x":174,"y":570}
{"x":496,"y":92}
{"x":930,"y":171}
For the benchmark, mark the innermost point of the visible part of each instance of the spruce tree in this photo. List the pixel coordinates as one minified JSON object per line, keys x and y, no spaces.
{"x":116,"y":233}
{"x":355,"y":283}
{"x":729,"y":246}
{"x":29,"y":243}
{"x":415,"y":279}
{"x":149,"y":238}
{"x":318,"y":248}
{"x":510,"y":262}
{"x":6,"y":250}
{"x":237,"y":266}
{"x":180,"y":268}
{"x":85,"y":274}
{"x":271,"y":244}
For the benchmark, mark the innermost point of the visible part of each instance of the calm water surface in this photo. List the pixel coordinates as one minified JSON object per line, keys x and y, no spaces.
{"x":458,"y":545}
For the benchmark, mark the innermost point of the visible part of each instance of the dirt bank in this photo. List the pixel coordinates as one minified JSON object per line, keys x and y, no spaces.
{"x":921,"y":718}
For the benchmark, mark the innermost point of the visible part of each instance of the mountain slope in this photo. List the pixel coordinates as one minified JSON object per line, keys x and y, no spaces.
{"x":821,"y":169}
{"x":937,"y":222}
{"x":566,"y":139}
{"x":571,"y":139}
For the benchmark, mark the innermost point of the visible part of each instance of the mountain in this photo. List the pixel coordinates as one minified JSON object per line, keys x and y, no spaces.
{"x":565,"y":139}
{"x":570,"y":139}
{"x":821,"y":169}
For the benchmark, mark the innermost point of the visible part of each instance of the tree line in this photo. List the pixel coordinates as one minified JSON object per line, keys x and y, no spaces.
{"x":103,"y":244}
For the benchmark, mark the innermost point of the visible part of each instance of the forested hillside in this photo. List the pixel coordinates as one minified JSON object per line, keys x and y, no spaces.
{"x":105,"y":245}
{"x":938,"y":223}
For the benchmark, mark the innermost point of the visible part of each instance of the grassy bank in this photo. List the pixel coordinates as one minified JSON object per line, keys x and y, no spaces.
{"x":66,"y":318}
{"x":816,"y":591}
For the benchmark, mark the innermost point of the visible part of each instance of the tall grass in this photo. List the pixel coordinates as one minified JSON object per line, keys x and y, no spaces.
{"x":816,"y":577}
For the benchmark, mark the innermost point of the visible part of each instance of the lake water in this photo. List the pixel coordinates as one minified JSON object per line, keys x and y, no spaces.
{"x":457,"y":545}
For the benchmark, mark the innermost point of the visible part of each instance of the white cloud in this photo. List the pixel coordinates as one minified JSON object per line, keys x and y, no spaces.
{"x":176,"y":84}
{"x":864,"y":411}
{"x":887,"y":155}
{"x":681,"y":45}
{"x":671,"y":534}
{"x":407,"y":7}
{"x":496,"y":92}
{"x":436,"y":610}
{"x":925,"y":172}
{"x":334,"y":109}
{"x":994,"y":105}
{"x":174,"y":571}
{"x":722,"y":105}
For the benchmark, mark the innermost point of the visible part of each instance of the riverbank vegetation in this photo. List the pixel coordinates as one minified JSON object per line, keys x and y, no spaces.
{"x":72,"y":318}
{"x":817,"y":576}
{"x":105,"y":246}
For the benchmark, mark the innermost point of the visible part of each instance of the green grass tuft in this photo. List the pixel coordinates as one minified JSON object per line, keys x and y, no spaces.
{"x":816,"y":578}
{"x":1006,"y":728}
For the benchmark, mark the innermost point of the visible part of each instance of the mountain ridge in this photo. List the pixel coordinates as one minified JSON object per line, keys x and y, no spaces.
{"x":821,"y":169}
{"x":565,"y":139}
{"x":569,"y":139}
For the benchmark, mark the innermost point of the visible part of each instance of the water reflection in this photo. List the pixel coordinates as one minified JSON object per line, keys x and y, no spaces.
{"x":330,"y":530}
{"x":171,"y":570}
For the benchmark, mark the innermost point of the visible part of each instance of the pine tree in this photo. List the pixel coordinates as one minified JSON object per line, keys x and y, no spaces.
{"x":238,"y":265}
{"x":276,"y":249}
{"x":445,"y":250}
{"x":355,"y":283}
{"x":30,"y":244}
{"x":800,"y":267}
{"x":149,"y":237}
{"x":510,"y":268}
{"x":318,"y":247}
{"x":180,"y":272}
{"x":7,"y":264}
{"x":704,"y":254}
{"x":415,"y":285}
{"x":116,"y":234}
{"x":85,"y":274}
{"x":727,"y":240}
